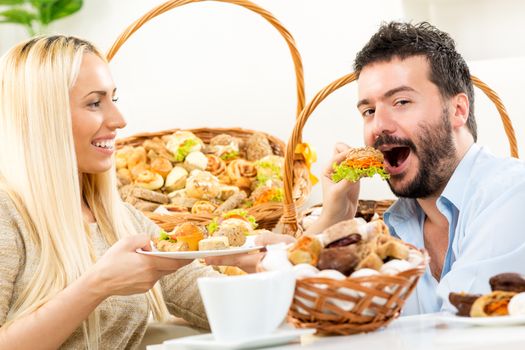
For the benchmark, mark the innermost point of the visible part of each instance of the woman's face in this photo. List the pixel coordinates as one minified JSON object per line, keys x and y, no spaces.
{"x":95,"y":116}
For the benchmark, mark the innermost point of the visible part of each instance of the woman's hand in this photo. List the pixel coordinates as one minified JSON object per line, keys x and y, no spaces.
{"x":123,"y":271}
{"x":248,"y":262}
{"x":339,"y":199}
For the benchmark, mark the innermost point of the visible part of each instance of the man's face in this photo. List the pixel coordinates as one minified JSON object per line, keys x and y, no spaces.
{"x":406,"y":118}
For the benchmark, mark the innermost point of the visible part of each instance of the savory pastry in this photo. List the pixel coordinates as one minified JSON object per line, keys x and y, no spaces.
{"x":124,"y":176}
{"x":136,"y":157}
{"x":180,"y":198}
{"x":510,"y":282}
{"x":214,"y":243}
{"x":161,"y":166}
{"x":270,"y":171}
{"x":463,"y":302}
{"x":175,"y":208}
{"x":137,"y":169}
{"x":492,"y":304}
{"x":216,"y":165}
{"x":340,"y":230}
{"x":203,"y":207}
{"x":145,"y":205}
{"x":343,"y":259}
{"x":241,"y":173}
{"x":225,"y":146}
{"x":202,"y":185}
{"x":264,"y":194}
{"x":228,"y":191}
{"x":360,"y":162}
{"x":155,"y":147}
{"x":189,"y":233}
{"x":149,"y":180}
{"x":176,"y":179}
{"x":231,"y":203}
{"x":257,"y":147}
{"x":305,"y":251}
{"x":149,"y":195}
{"x":235,"y":229}
{"x":392,"y":248}
{"x":181,"y":143}
{"x":195,"y":160}
{"x":122,"y":155}
{"x":172,"y":246}
{"x":371,"y":261}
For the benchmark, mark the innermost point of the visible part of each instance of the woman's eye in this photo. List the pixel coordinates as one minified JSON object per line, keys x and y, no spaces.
{"x":114,"y":99}
{"x":94,"y":104}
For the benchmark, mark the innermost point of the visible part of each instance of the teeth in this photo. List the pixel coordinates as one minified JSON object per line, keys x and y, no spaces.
{"x":109,"y":144}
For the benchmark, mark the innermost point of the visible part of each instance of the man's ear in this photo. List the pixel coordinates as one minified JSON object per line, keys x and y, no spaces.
{"x":460,"y":107}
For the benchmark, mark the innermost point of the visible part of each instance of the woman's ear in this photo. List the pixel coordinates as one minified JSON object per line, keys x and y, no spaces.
{"x":460,"y":105}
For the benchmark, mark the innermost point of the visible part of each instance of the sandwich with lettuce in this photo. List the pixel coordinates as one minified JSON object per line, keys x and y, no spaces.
{"x":360,"y":162}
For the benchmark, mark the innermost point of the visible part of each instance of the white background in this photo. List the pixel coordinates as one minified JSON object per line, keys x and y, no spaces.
{"x":214,"y":64}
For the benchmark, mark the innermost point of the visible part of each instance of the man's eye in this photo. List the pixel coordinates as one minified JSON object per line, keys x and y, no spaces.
{"x":368,"y":112}
{"x":402,"y":102}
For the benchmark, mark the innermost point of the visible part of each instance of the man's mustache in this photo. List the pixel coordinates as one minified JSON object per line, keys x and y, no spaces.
{"x":385,"y":139}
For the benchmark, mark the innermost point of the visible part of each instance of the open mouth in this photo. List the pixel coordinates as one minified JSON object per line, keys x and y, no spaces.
{"x":396,"y":156}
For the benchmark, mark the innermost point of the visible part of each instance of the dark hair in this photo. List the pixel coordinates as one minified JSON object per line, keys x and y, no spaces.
{"x":448,"y":69}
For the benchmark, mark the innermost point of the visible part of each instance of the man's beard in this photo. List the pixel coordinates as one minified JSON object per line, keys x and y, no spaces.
{"x":437,"y":158}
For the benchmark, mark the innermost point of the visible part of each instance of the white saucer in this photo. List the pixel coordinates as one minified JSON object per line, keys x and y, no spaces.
{"x":206,"y":341}
{"x":495,"y":321}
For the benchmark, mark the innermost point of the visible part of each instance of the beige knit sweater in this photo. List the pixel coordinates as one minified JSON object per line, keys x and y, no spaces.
{"x":123,"y":318}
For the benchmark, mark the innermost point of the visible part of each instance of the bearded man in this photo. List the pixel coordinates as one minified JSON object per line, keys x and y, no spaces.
{"x":456,"y":200}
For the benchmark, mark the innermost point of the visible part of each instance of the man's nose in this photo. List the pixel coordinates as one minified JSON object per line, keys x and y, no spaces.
{"x":384,"y":122}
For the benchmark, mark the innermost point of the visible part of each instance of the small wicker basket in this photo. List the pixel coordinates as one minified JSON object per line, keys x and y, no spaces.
{"x":381,"y":297}
{"x":267,"y":214}
{"x":372,"y":302}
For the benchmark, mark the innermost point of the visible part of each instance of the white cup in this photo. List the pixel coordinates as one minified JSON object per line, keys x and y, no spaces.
{"x":248,"y":306}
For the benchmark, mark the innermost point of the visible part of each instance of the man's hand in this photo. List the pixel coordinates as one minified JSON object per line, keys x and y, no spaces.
{"x":339,"y":199}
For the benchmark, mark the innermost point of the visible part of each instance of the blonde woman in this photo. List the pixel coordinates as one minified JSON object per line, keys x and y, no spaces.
{"x":69,"y":273}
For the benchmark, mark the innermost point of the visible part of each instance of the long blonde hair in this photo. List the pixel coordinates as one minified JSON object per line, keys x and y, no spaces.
{"x":38,"y":170}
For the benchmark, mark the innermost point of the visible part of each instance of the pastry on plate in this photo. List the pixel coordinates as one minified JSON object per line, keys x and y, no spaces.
{"x":510,"y":282}
{"x":463,"y":302}
{"x":492,"y":304}
{"x":214,"y":243}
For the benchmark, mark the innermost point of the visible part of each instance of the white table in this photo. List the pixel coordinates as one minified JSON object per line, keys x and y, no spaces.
{"x":417,"y":333}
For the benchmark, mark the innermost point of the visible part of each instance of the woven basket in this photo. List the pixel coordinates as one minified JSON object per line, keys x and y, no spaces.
{"x":289,"y":218}
{"x":268,"y":214}
{"x":375,"y":302}
{"x":369,"y":312}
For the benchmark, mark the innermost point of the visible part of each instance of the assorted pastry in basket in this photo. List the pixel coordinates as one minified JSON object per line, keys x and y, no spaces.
{"x":507,"y":298}
{"x":230,"y":229}
{"x":348,"y":248}
{"x":181,"y":173}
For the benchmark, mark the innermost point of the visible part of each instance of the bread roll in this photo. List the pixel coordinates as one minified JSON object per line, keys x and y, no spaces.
{"x":203,"y":207}
{"x":195,"y":160}
{"x":122,"y":155}
{"x":149,"y":180}
{"x":202,"y":185}
{"x":161,"y":166}
{"x":257,"y":147}
{"x":137,"y":156}
{"x":176,"y":179}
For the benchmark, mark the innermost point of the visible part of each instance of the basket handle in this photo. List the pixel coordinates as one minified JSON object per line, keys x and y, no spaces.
{"x":290,"y":214}
{"x":169,"y":5}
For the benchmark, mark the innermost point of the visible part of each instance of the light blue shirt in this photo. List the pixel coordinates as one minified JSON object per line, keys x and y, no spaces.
{"x":484,"y":203}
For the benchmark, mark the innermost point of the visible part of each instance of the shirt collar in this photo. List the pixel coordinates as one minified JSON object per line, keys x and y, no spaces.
{"x":405,"y":208}
{"x":458,"y":182}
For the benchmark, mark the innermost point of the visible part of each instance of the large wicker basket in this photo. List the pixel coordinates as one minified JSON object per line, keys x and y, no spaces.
{"x":267,"y":214}
{"x":377,"y":305}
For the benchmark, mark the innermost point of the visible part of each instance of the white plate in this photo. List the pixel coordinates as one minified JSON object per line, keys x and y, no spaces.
{"x":483,"y":321}
{"x":207,"y":341}
{"x":199,"y":254}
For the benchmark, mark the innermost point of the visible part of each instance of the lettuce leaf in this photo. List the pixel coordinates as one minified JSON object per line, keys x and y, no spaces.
{"x":243,"y":213}
{"x":343,"y":171}
{"x":185,"y":149}
{"x":229,"y":155}
{"x":213,"y":226}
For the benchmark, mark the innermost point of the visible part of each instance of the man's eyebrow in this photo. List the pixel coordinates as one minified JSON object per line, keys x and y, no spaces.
{"x":387,"y":94}
{"x":99,"y":92}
